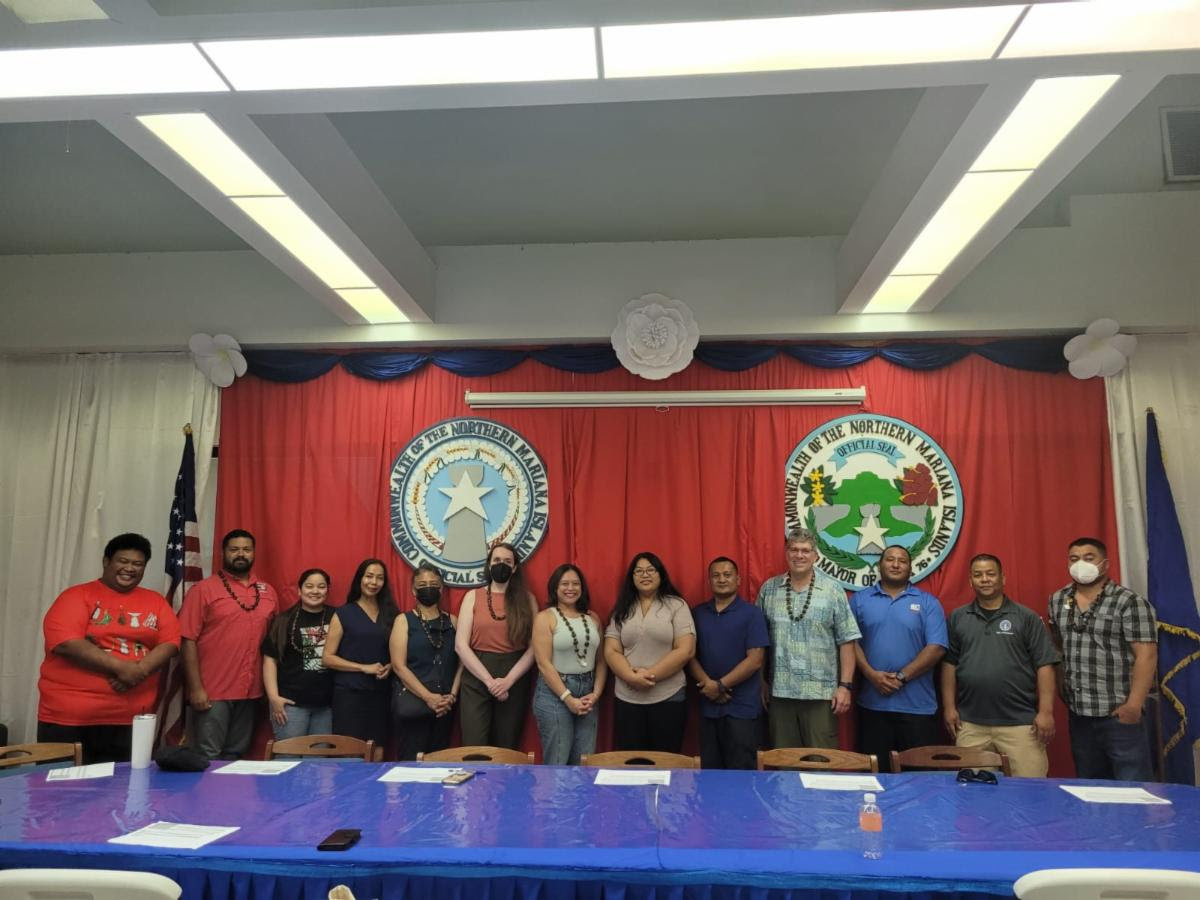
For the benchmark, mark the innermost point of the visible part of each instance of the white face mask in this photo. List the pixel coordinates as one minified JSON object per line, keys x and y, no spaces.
{"x":1083,"y":572}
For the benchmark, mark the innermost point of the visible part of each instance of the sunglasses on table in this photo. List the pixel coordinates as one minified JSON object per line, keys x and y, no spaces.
{"x":977,"y":776}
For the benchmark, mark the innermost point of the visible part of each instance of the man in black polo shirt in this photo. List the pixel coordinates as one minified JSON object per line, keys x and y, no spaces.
{"x":998,"y":674}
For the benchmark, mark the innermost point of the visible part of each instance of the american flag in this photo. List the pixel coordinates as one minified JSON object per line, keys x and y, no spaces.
{"x":183,"y":570}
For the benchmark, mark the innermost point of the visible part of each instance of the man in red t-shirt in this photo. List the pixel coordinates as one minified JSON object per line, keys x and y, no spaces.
{"x":104,"y":639}
{"x":223,"y":621}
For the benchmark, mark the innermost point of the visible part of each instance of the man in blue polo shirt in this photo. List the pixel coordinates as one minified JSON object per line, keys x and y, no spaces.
{"x":731,"y":636}
{"x":903,"y":638}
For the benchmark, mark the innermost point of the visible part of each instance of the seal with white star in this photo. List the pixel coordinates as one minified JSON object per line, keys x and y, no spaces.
{"x":460,"y":486}
{"x":866,"y":482}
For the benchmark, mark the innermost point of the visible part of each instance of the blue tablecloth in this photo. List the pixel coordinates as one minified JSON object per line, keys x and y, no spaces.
{"x":551,"y":833}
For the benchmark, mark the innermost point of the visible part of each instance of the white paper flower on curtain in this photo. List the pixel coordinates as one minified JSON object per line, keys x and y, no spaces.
{"x":219,"y":358}
{"x":1101,"y":350}
{"x":655,"y":336}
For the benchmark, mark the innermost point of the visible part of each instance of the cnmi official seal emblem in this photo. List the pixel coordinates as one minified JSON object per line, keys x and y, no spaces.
{"x":458,"y":487}
{"x":862,"y":483}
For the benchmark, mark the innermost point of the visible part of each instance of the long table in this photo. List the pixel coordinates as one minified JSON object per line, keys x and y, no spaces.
{"x":523,"y":832}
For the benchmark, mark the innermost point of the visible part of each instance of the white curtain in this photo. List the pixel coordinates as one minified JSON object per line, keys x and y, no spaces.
{"x":1164,"y":374}
{"x":89,"y":448}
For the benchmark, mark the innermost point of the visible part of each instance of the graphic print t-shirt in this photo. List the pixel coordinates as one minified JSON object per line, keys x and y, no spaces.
{"x":302,"y":678}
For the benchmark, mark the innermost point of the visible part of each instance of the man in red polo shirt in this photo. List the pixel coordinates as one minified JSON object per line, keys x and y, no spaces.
{"x":223,"y":621}
{"x":104,"y":639}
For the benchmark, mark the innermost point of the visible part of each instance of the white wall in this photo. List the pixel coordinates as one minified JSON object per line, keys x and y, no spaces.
{"x":1131,"y":256}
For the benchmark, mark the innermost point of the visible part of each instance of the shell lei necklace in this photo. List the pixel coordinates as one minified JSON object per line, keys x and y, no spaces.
{"x":587,"y":636}
{"x":787,"y":594}
{"x":492,"y":609}
{"x":326,"y":616}
{"x":234,"y":597}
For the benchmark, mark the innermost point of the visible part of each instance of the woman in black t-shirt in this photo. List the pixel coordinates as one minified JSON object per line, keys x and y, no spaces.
{"x":299,"y":687}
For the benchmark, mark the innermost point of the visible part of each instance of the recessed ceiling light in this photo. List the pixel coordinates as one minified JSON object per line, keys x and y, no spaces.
{"x":373,"y":305}
{"x":97,"y":71}
{"x":1048,"y":112}
{"x":805,"y":42}
{"x":38,"y":12}
{"x":281,"y":218}
{"x":211,"y":152}
{"x":552,"y":54}
{"x":898,"y":293}
{"x":1106,"y":26}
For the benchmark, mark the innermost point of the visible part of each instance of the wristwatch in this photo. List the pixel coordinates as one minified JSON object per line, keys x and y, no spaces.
{"x":901,"y":677}
{"x":848,"y":685}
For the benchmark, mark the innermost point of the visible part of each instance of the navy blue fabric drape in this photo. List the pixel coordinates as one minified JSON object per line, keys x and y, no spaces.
{"x":1033,"y":355}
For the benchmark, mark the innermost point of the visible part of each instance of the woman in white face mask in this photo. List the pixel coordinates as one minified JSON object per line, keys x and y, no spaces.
{"x":1108,"y":636}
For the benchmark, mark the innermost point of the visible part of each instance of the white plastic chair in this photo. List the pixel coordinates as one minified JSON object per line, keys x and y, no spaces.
{"x":1108,"y":884}
{"x":85,"y":884}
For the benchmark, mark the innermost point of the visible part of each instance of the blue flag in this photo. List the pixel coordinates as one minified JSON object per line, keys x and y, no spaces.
{"x":1170,"y":585}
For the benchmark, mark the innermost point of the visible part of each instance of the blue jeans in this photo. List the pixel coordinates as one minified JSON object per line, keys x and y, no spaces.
{"x":1105,"y":748}
{"x":565,"y":736}
{"x":303,"y":721}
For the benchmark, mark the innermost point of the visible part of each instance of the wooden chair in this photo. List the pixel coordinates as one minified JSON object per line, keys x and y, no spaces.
{"x":939,"y":758}
{"x":639,"y":759}
{"x":478,"y":754}
{"x":328,"y":746}
{"x":817,"y":758}
{"x":24,"y":754}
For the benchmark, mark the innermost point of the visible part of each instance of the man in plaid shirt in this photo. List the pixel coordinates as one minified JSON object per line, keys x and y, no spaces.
{"x":1109,"y":641}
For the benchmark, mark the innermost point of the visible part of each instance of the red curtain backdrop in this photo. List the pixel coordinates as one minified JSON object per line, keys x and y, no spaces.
{"x":305,"y":467}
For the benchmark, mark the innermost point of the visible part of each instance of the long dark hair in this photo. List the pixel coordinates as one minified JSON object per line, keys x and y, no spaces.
{"x":283,"y":625}
{"x":552,"y":587}
{"x":387,"y":602}
{"x":627,"y":594}
{"x":518,"y":618}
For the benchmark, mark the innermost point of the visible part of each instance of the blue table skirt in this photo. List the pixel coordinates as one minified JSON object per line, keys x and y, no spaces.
{"x":549,"y":833}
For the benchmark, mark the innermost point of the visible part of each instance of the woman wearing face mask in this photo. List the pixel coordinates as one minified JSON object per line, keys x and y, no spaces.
{"x":299,"y":688}
{"x":357,"y":651}
{"x":565,"y":640}
{"x":427,"y":670}
{"x":649,"y":640}
{"x":495,"y":623}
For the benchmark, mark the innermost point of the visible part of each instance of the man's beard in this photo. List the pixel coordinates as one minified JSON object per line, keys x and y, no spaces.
{"x":241,"y":565}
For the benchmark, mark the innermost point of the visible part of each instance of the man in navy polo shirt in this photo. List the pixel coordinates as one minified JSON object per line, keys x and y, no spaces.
{"x":903,"y":638}
{"x":731,"y":637}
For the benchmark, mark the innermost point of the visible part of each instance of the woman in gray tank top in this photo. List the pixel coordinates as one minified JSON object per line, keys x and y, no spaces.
{"x":571,"y":673}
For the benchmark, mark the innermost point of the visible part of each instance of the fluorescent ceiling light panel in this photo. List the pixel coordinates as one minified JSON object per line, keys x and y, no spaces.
{"x":99,"y":71}
{"x":281,"y":218}
{"x":373,"y":305}
{"x":1048,"y":112}
{"x":211,"y":152}
{"x":898,"y":293}
{"x":806,"y":42}
{"x":1106,"y":26}
{"x":38,"y":12}
{"x":553,"y":54}
{"x":970,"y":205}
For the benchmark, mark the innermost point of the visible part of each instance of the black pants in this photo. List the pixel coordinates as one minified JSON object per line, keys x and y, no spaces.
{"x":880,"y":733}
{"x":649,"y":726}
{"x":422,"y":735}
{"x":101,"y":743}
{"x":485,"y":720}
{"x":727,"y":742}
{"x":363,"y":714}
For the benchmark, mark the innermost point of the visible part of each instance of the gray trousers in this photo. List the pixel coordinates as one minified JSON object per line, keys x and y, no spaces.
{"x":225,"y":730}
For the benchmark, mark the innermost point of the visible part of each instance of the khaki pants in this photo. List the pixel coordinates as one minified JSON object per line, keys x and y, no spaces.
{"x":1026,"y":754}
{"x":802,"y":723}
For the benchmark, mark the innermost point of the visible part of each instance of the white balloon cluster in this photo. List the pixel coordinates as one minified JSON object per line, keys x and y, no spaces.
{"x":219,"y":358}
{"x":655,"y":336}
{"x":1100,"y":351}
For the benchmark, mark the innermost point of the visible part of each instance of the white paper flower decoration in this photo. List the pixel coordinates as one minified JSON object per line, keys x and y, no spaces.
{"x":219,"y":358}
{"x":655,"y":336}
{"x":1101,"y":350}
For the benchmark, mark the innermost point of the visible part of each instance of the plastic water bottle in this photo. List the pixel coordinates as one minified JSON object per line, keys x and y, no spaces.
{"x":870,"y":825}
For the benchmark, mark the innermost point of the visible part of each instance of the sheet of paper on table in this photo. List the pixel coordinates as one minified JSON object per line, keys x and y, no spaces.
{"x":1113,"y":795}
{"x":418,"y":774}
{"x":633,"y":776}
{"x":174,"y":835}
{"x":76,"y":773}
{"x":824,"y":781}
{"x":257,"y":767}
